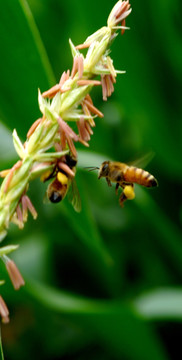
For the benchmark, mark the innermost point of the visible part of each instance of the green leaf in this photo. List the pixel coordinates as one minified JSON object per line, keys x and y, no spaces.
{"x":147,"y":99}
{"x":160,"y":304}
{"x":7,"y":150}
{"x":24,"y":64}
{"x":90,"y":158}
{"x":115,"y":324}
{"x":169,"y":36}
{"x":170,"y":234}
{"x":84,"y":226}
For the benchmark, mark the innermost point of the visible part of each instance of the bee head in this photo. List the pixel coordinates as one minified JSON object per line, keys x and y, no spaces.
{"x":104,"y":169}
{"x":70,"y":161}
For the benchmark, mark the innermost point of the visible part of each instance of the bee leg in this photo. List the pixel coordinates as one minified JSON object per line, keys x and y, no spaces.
{"x":122,"y":198}
{"x":108,"y":182}
{"x":117,"y":186}
{"x":48,"y":175}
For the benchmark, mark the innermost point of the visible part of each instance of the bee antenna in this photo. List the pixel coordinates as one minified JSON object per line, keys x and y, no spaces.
{"x":91,"y":168}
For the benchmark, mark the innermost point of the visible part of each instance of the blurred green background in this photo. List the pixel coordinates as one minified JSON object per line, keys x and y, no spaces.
{"x":105,"y":283}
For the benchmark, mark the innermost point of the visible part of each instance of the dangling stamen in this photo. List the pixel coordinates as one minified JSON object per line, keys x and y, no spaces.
{"x":88,"y":113}
{"x":51,"y":92}
{"x":67,"y":129}
{"x":19,"y":217}
{"x":87,"y":126}
{"x":88,"y":82}
{"x":63,"y":79}
{"x":58,"y":147}
{"x":11,"y":172}
{"x":65,"y":168}
{"x":123,"y":23}
{"x":75,"y":67}
{"x":80,"y":66}
{"x":4,"y":312}
{"x":83,"y":46}
{"x":14,"y":273}
{"x":33,"y":127}
{"x":71,"y":145}
{"x":62,"y":139}
{"x":104,"y":88}
{"x":88,"y":98}
{"x":84,"y":134}
{"x":93,"y":109}
{"x":27,"y":204}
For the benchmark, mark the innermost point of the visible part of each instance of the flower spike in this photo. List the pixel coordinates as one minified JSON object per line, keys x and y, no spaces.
{"x":49,"y":151}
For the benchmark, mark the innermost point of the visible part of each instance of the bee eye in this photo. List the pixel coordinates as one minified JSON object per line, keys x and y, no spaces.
{"x":105,"y":167}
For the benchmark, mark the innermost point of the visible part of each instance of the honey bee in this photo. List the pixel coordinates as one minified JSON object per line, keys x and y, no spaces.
{"x":64,"y":183}
{"x":125,"y":176}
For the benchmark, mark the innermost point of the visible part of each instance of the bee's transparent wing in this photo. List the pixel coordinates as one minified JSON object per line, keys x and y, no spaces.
{"x":74,"y":196}
{"x":143,"y":161}
{"x":45,"y":199}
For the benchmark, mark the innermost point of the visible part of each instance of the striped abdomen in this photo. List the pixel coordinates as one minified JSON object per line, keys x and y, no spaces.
{"x":135,"y":175}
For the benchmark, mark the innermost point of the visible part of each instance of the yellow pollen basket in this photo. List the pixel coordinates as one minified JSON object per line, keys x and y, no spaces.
{"x":62,"y":178}
{"x":129,"y":192}
{"x":45,"y":175}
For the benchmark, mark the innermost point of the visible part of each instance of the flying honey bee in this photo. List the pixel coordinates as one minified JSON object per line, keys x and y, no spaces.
{"x":125,"y":176}
{"x":64,"y":183}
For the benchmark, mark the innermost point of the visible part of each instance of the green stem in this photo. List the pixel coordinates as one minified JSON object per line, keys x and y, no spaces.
{"x":1,"y":348}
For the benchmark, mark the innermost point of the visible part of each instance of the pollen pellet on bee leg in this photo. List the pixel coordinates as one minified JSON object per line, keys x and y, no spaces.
{"x":62,"y":178}
{"x":129,"y":192}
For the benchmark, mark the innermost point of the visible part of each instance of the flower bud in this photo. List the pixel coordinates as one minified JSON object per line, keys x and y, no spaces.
{"x":119,"y":12}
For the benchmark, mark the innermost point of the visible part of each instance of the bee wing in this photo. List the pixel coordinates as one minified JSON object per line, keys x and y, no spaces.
{"x":45,"y":199}
{"x":74,"y":196}
{"x":143,"y":161}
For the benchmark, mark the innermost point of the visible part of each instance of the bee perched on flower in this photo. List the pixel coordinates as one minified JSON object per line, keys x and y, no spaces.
{"x":62,"y":177}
